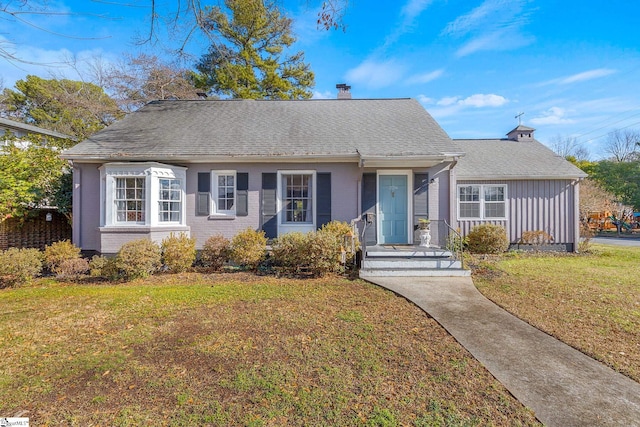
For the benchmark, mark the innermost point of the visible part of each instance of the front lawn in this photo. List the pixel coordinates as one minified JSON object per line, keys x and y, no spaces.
{"x":236,"y":349}
{"x":589,"y":301}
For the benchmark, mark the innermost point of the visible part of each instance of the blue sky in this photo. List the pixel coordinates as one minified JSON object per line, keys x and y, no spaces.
{"x":572,"y":67}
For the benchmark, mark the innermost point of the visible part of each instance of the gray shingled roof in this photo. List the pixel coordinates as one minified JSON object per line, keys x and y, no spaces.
{"x":13,"y":125}
{"x":508,"y":159}
{"x":209,"y":129}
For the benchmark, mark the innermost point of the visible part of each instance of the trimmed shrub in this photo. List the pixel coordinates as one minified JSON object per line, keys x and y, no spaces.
{"x":72,"y":269}
{"x":178,"y":252}
{"x":138,"y":259}
{"x":315,"y":254}
{"x":19,"y":266}
{"x":101,"y":266}
{"x":58,"y":252}
{"x":290,"y":252}
{"x":488,"y":239}
{"x":339,"y":229}
{"x":248,"y":248}
{"x":215,"y":252}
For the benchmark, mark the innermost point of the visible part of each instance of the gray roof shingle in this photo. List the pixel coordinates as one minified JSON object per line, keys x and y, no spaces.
{"x":508,"y":159}
{"x":212,"y":129}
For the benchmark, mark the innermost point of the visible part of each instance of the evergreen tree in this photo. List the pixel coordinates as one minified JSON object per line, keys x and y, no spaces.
{"x":250,"y":57}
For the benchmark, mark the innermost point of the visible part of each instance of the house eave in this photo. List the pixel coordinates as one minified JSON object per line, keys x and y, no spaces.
{"x":256,"y":158}
{"x":517,"y":177}
{"x":407,"y":161}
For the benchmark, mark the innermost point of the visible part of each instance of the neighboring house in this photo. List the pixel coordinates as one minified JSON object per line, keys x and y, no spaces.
{"x":207,"y":167}
{"x":20,"y":130}
{"x":47,"y":225}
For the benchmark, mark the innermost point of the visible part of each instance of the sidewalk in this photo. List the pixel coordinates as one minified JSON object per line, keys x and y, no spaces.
{"x":561,"y":385}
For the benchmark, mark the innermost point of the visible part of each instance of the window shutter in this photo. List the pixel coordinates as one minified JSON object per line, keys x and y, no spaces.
{"x":242,"y":194}
{"x":369,"y":198}
{"x":323,"y":193}
{"x":420,"y":197}
{"x":204,"y":194}
{"x":269,"y":214}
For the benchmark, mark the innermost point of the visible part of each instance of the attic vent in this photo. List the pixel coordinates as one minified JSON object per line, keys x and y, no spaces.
{"x":343,"y":91}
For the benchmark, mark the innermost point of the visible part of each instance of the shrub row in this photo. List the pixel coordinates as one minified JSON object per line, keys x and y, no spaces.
{"x":312,"y":253}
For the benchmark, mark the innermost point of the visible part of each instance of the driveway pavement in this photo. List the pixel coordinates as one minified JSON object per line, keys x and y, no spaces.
{"x":561,"y":385}
{"x":619,"y":241}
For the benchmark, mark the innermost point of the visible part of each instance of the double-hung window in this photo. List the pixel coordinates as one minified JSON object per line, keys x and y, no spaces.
{"x":297,"y":198}
{"x":487,"y":201}
{"x":224,"y":192}
{"x":130,"y":200}
{"x":170,"y":200}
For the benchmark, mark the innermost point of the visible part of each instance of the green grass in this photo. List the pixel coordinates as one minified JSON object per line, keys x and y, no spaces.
{"x":590,"y":301}
{"x":237,"y":349}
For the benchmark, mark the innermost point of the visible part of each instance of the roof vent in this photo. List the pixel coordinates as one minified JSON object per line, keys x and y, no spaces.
{"x":521,"y":134}
{"x":344,"y":91}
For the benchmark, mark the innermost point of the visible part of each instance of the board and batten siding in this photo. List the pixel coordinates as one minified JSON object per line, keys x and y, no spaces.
{"x":547,"y":205}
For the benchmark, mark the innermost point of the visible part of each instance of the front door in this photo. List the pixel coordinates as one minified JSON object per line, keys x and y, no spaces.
{"x":393,"y":208}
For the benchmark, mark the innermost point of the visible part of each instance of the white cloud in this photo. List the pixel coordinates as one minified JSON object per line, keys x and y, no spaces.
{"x":324,"y":95}
{"x":451,"y":105}
{"x":552,"y":116}
{"x":581,"y":77}
{"x":483,"y":100}
{"x":413,"y":8}
{"x":494,"y":25}
{"x":425,"y":77}
{"x":375,"y":74}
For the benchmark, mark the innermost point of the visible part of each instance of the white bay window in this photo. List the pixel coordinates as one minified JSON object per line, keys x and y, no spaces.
{"x":147,"y":194}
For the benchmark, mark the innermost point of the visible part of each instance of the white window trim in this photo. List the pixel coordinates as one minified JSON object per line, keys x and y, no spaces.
{"x":215,"y":212}
{"x":482,"y":217}
{"x":304,"y":227}
{"x":151,"y":172}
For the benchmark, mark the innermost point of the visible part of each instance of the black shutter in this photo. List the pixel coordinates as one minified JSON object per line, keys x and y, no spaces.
{"x":420,"y":197}
{"x":269,"y":212}
{"x":203,"y":194}
{"x":369,"y":199}
{"x":242,"y":194}
{"x":323,"y":193}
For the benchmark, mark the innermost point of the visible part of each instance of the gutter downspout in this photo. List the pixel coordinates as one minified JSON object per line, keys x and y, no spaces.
{"x":576,"y":214}
{"x":76,"y":194}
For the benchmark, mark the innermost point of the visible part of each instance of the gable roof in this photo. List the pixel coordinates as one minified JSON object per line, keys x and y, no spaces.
{"x":210,"y":130}
{"x":508,"y":159}
{"x":13,"y":126}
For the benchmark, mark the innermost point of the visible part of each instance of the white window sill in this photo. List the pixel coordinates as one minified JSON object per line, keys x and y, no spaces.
{"x":215,"y":217}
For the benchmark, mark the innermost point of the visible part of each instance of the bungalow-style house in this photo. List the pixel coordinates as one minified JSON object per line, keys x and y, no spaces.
{"x":205,"y":167}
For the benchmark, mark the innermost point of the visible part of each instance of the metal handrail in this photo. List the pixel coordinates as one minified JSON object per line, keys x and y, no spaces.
{"x":459,"y":248}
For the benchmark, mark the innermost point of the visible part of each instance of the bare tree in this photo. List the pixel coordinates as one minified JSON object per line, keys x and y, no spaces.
{"x":568,"y":147}
{"x":180,"y":19}
{"x":623,"y":145}
{"x":145,"y":78}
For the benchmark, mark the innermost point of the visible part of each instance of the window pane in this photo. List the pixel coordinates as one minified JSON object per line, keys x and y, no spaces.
{"x":494,"y":210}
{"x":169,"y":203}
{"x":494,"y":194}
{"x":469,"y":210}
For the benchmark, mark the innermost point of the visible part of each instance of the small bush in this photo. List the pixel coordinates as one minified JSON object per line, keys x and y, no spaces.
{"x":455,"y":242}
{"x":101,"y":266}
{"x":586,"y":234}
{"x":138,"y":259}
{"x":536,"y":238}
{"x":488,"y":239}
{"x":290,"y":252}
{"x":72,"y":269}
{"x":215,"y":252}
{"x":340,"y":229}
{"x":19,"y":266}
{"x":178,"y":252}
{"x":248,"y":248}
{"x":58,"y":252}
{"x":316,"y":253}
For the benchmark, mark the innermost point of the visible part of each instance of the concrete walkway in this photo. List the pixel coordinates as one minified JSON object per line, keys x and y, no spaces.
{"x":560,"y":384}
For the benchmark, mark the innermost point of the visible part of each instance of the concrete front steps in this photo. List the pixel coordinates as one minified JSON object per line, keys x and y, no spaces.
{"x":406,"y":261}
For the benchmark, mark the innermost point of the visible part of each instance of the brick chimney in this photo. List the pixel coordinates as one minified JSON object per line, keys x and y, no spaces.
{"x":521,"y":134}
{"x":343,"y":91}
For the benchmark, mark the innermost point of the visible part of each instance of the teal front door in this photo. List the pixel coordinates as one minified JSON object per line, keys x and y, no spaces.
{"x":393,"y":208}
